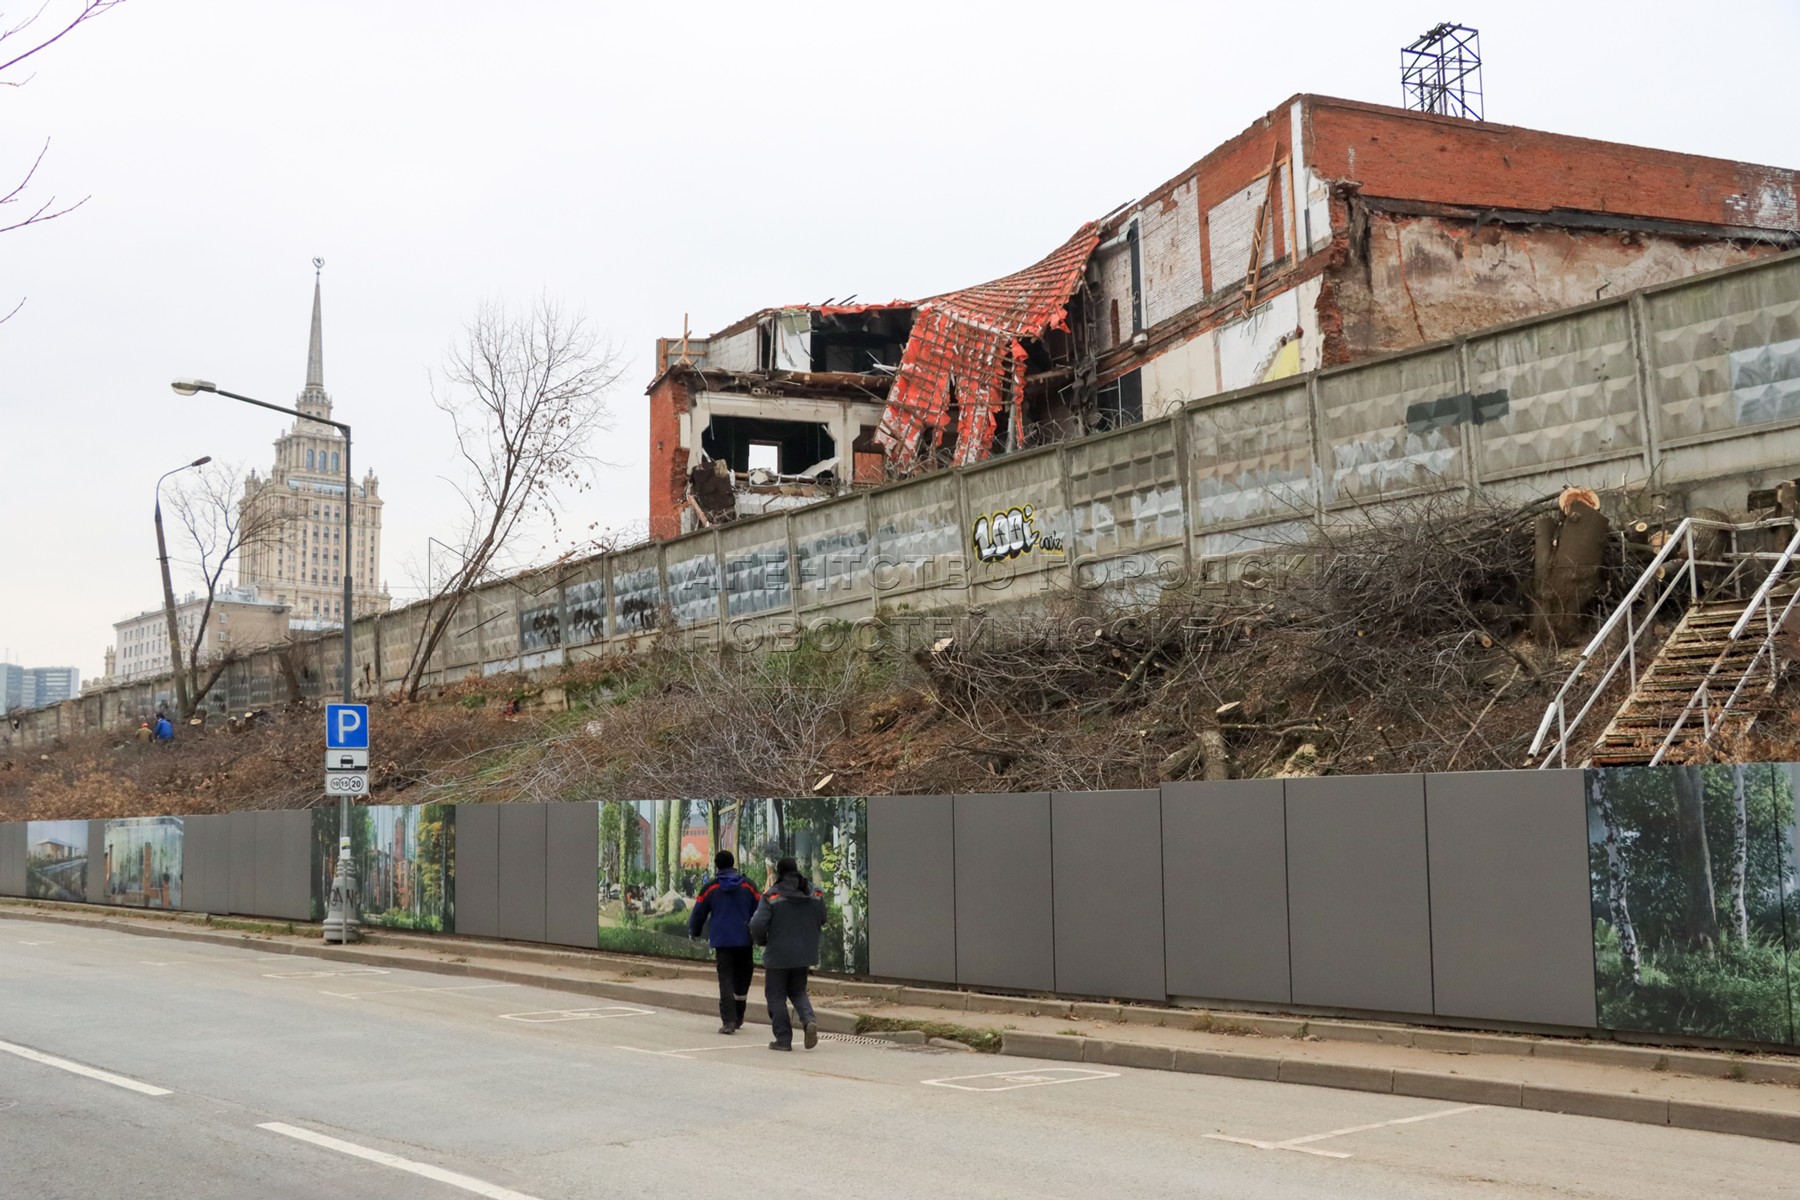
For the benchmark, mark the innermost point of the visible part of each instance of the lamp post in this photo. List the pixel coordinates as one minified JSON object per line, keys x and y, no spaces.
{"x":340,"y":913}
{"x":162,"y":556}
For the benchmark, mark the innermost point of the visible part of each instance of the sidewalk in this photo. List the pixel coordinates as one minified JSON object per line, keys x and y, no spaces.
{"x":1749,"y":1095}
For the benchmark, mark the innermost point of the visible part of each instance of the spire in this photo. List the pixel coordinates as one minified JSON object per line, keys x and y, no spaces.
{"x":315,"y":349}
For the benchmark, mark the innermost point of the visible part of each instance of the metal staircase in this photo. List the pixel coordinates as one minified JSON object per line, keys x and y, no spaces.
{"x":1704,"y":679}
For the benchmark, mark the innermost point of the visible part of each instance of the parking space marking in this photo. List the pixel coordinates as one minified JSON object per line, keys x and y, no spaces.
{"x":323,"y":974}
{"x":1301,"y":1145}
{"x":75,"y":1068}
{"x":577,"y":1014}
{"x":394,"y":991}
{"x":1007,"y":1081}
{"x":685,"y":1053}
{"x":467,"y":1183}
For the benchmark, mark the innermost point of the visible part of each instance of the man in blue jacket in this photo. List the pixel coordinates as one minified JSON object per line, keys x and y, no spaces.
{"x":727,"y":903}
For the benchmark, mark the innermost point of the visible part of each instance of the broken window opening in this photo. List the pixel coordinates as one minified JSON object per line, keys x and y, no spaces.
{"x":797,"y":445}
{"x":1119,"y":403}
{"x":764,"y":456}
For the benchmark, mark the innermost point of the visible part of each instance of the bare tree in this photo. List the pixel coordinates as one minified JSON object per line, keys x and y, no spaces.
{"x":525,"y":393}
{"x":17,"y":45}
{"x":219,"y":528}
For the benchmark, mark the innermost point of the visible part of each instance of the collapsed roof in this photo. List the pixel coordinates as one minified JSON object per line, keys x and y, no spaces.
{"x":965,"y":364}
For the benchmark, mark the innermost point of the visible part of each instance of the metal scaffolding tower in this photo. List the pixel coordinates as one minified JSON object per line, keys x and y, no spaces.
{"x":1441,"y":72}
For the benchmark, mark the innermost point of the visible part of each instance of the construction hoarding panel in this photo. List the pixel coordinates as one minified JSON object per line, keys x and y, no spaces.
{"x":1692,"y":879}
{"x":404,"y":858}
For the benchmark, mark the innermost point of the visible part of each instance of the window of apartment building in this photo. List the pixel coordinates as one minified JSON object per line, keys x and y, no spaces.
{"x":309,"y":460}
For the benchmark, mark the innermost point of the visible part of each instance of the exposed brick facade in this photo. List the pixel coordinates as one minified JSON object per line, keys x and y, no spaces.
{"x":668,"y":459}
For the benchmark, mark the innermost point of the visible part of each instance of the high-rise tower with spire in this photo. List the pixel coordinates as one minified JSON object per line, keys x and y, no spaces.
{"x":299,"y":559}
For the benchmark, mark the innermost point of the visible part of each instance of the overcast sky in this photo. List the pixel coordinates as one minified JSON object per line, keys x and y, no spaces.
{"x":638,"y":161}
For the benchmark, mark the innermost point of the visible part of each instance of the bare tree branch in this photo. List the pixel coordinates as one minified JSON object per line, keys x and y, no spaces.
{"x":525,"y":393}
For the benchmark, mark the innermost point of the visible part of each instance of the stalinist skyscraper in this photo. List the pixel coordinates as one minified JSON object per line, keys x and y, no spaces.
{"x":302,"y":499}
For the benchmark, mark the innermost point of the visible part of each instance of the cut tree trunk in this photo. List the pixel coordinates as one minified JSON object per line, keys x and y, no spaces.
{"x":1207,"y":750}
{"x":1570,"y":546}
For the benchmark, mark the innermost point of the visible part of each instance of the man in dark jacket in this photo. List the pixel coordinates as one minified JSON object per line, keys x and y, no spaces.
{"x":787,"y":925}
{"x":727,"y":903}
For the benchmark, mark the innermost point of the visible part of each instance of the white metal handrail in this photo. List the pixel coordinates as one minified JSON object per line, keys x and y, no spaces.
{"x":1682,"y":539}
{"x":1709,"y":721}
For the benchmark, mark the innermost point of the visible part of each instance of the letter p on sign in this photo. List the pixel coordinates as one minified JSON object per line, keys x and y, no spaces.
{"x":346,"y":727}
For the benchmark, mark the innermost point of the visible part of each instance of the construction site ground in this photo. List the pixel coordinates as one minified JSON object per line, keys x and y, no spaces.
{"x":1748,"y":1094}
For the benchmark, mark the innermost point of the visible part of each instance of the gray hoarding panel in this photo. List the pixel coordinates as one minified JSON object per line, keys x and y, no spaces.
{"x":240,"y":896}
{"x":12,"y":858}
{"x":478,"y":869}
{"x":1099,"y":840}
{"x":912,"y":888}
{"x":571,"y":881}
{"x":1225,"y":890}
{"x":1005,"y":935}
{"x":1511,"y":934}
{"x":283,"y":844}
{"x":201,"y":862}
{"x":522,"y":871}
{"x":1358,"y":898}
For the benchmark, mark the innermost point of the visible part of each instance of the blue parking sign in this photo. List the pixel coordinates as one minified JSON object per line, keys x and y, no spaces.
{"x":346,"y":727}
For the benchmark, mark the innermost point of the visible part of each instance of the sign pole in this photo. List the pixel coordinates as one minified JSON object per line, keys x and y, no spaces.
{"x":346,"y":775}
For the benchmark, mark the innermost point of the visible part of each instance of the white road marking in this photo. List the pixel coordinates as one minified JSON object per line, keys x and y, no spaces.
{"x":577,"y":1014}
{"x":685,"y":1053}
{"x":1300,"y":1144}
{"x":75,"y":1068}
{"x":23,"y":942}
{"x":1007,"y":1081}
{"x":467,"y":1183}
{"x":323,"y":974}
{"x":461,"y":987}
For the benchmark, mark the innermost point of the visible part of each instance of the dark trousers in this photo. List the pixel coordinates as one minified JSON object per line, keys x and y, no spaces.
{"x":735,"y":968}
{"x":780,"y":985}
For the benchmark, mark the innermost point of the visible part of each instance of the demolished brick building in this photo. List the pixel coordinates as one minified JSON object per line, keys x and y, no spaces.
{"x":1327,"y":232}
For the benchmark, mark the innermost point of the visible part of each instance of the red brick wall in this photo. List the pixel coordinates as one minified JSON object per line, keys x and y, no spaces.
{"x":1398,"y":154}
{"x":668,"y":460}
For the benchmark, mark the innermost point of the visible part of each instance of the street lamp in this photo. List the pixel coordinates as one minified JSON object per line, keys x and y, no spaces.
{"x":162,"y":555}
{"x":340,"y":913}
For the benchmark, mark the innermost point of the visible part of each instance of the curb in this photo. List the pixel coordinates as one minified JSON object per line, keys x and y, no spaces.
{"x":1497,"y":1093}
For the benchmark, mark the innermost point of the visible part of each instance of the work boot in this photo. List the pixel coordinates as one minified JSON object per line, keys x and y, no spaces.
{"x":781,"y":1045}
{"x":812,"y":1034}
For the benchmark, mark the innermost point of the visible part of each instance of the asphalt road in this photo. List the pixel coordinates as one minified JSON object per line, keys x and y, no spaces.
{"x":231,"y":1074}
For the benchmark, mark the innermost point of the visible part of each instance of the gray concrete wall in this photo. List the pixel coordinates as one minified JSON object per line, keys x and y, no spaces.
{"x":1359,"y":898}
{"x":912,"y":888}
{"x":1107,"y":851}
{"x":1510,"y":932}
{"x":1224,"y":862}
{"x":1005,"y":929}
